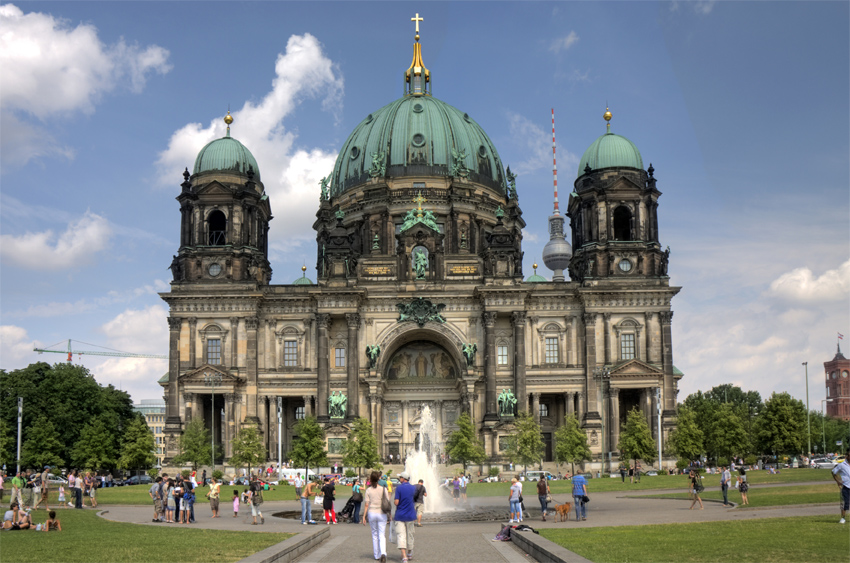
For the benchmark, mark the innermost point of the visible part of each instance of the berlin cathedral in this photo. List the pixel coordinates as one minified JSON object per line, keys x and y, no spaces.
{"x":420,"y":297}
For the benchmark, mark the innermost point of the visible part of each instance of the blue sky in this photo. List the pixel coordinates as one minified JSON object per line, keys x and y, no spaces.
{"x":742,"y":108}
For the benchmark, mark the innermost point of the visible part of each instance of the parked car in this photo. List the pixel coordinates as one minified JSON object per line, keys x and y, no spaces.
{"x":56,"y":480}
{"x":824,"y":463}
{"x":139,"y":480}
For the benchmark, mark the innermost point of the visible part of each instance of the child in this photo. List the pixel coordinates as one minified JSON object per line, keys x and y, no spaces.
{"x":52,"y":523}
{"x":235,"y":503}
{"x":62,"y":496}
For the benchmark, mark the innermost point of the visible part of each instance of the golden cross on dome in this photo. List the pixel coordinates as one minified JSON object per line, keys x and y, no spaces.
{"x":417,"y":19}
{"x":419,"y":199}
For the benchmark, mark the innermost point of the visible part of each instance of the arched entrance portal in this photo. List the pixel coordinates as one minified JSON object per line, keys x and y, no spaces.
{"x":419,"y":372}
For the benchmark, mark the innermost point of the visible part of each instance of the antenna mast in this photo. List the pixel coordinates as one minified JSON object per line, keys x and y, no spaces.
{"x":554,"y":164}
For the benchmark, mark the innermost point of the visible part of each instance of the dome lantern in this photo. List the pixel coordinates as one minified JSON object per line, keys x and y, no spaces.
{"x":417,"y":78}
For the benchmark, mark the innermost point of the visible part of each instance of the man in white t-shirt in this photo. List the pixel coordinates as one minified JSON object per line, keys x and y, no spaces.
{"x":298,"y":484}
{"x":841,"y":474}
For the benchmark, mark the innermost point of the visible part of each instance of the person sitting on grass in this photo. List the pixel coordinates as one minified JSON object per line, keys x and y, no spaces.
{"x":10,"y":518}
{"x":52,"y":523}
{"x":24,"y":520}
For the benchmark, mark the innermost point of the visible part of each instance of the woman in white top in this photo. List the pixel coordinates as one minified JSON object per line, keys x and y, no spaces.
{"x":372,"y":497}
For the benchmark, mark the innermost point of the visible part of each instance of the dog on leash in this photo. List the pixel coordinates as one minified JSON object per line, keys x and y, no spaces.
{"x":562,"y":511}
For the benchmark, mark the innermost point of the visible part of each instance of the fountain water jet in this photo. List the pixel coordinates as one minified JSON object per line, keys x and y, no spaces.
{"x":423,"y":463}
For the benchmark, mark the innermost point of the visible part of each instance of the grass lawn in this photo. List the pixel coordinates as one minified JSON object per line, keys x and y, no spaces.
{"x":768,"y":540}
{"x":651,"y":483}
{"x":772,"y":496}
{"x":85,"y":537}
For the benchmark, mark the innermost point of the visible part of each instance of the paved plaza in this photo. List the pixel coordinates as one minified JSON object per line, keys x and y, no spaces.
{"x":471,"y":541}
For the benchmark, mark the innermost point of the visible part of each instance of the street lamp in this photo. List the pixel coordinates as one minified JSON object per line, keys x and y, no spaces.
{"x":823,"y":424}
{"x":603,"y":374}
{"x":211,"y":380}
{"x":808,"y":415}
{"x":279,"y":437}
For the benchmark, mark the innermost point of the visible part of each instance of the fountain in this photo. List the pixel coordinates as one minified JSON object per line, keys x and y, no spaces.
{"x":423,"y":463}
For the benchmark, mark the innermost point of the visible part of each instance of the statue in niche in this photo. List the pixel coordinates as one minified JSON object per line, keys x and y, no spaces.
{"x":372,"y":353}
{"x":469,"y":353}
{"x":420,"y":262}
{"x":336,"y":404}
{"x":506,"y":402}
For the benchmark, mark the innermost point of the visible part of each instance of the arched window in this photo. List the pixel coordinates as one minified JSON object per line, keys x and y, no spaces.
{"x":217,"y":228}
{"x":622,"y":223}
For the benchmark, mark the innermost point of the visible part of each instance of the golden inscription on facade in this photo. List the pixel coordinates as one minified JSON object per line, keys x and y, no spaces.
{"x":377,"y":270}
{"x":463,"y":270}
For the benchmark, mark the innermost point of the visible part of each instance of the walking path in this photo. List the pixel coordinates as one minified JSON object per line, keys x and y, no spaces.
{"x":470,"y":541}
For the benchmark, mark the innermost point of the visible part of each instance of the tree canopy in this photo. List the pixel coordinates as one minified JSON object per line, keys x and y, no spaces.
{"x":42,"y":446}
{"x":463,"y":446}
{"x":96,"y":448}
{"x":361,"y":448}
{"x":248,"y":448}
{"x":571,"y":443}
{"x":636,"y":439}
{"x":687,"y":440}
{"x":137,"y":449}
{"x":526,"y":445}
{"x":308,"y":448}
{"x":194,"y":444}
{"x":781,"y":426}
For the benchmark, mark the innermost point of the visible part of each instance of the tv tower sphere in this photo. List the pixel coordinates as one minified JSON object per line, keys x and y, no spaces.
{"x":557,"y":252}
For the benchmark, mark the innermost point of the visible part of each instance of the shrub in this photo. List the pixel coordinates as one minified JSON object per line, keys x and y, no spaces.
{"x":722,"y":462}
{"x":153,"y":472}
{"x":494,"y":472}
{"x":186,"y":473}
{"x":217,"y":474}
{"x":682,"y":463}
{"x":750,"y":459}
{"x":350,"y":473}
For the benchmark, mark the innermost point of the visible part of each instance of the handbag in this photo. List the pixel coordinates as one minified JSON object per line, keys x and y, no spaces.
{"x":320,"y":499}
{"x":386,"y":506}
{"x":585,"y":499}
{"x":548,"y":499}
{"x":357,"y":497}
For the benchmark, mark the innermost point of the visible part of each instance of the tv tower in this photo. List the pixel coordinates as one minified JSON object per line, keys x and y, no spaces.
{"x":557,"y":252}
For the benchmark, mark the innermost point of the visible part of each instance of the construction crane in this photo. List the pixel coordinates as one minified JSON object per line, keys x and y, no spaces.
{"x":111,"y":352}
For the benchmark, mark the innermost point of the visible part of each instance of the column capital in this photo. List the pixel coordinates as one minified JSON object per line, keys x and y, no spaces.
{"x":189,"y":397}
{"x":252,"y":323}
{"x":322,"y":320}
{"x":589,"y":318}
{"x":647,"y":315}
{"x":666,"y":317}
{"x":174,"y":323}
{"x":353,"y":320}
{"x":606,"y":317}
{"x":192,"y":322}
{"x":231,"y":397}
{"x":519,"y":318}
{"x":489,"y":319}
{"x":614,"y":391}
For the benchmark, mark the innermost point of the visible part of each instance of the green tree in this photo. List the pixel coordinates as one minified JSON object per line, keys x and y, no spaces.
{"x":361,"y":448}
{"x":69,"y":396}
{"x":526,"y":445}
{"x":248,"y":448}
{"x":728,"y":434}
{"x":571,"y":443}
{"x":42,"y":445}
{"x":309,"y":448}
{"x":137,"y":450}
{"x":687,"y":440}
{"x":8,"y":447}
{"x":463,"y":446}
{"x":95,"y":448}
{"x":781,"y":425}
{"x":194,"y":444}
{"x":636,"y":439}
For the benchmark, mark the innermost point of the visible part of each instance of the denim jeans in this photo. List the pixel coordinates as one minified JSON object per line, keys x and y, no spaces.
{"x":355,"y":515}
{"x":516,"y":507}
{"x":543,"y":503}
{"x":724,"y":488}
{"x":581,"y":511}
{"x":305,"y":509}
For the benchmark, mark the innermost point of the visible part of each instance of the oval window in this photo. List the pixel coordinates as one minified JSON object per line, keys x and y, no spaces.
{"x":466,"y":117}
{"x":419,"y":139}
{"x":625,"y":265}
{"x":368,"y":118}
{"x":355,"y":152}
{"x":418,"y":108}
{"x":482,"y":151}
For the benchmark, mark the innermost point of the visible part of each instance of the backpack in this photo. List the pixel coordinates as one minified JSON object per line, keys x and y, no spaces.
{"x":257,"y":497}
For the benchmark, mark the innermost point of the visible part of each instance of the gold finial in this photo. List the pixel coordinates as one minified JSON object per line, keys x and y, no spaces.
{"x":303,"y":268}
{"x":607,"y":117}
{"x":420,"y":200}
{"x":417,"y":78}
{"x":228,"y":119}
{"x":535,"y":267}
{"x":417,"y":19}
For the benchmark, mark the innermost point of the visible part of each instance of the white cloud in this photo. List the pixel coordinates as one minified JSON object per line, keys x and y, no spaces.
{"x":59,"y":309}
{"x":16,"y":347}
{"x":49,"y":67}
{"x":45,"y":251}
{"x":564,"y":43}
{"x":22,"y":141}
{"x":535,"y":144}
{"x":290,"y":174}
{"x":800,"y":285}
{"x":528,"y":236}
{"x":704,"y":7}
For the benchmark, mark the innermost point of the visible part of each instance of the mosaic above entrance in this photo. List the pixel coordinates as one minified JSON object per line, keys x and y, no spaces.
{"x":421,"y":360}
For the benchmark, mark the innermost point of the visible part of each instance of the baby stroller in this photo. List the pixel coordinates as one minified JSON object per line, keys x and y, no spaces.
{"x":347,"y":511}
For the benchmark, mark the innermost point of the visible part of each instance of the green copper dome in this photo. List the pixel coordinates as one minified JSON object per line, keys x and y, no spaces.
{"x":609,"y":151}
{"x":226,"y":155}
{"x":535,"y":278}
{"x":413,"y":136}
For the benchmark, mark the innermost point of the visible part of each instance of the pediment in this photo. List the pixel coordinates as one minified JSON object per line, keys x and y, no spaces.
{"x":631,"y":368}
{"x":197,"y":375}
{"x":623,"y":183}
{"x":392,"y":434}
{"x":214,"y":188}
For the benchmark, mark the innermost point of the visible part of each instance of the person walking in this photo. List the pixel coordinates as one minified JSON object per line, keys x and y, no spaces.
{"x":637,"y":471}
{"x":725,"y":478}
{"x":299,"y":483}
{"x":419,"y":501}
{"x":841,"y":474}
{"x":78,"y":490}
{"x":309,"y":491}
{"x":43,"y":481}
{"x":17,"y":484}
{"x":623,"y":471}
{"x":696,"y":488}
{"x":255,"y":497}
{"x":515,"y":500}
{"x":328,"y":491}
{"x":357,"y":500}
{"x":579,"y":496}
{"x":405,"y":516}
{"x":743,"y":486}
{"x":214,"y":495}
{"x":377,"y":518}
{"x":543,"y":495}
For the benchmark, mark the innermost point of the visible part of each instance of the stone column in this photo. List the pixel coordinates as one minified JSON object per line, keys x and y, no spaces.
{"x":263,"y":408}
{"x":667,"y":363}
{"x":324,"y":384}
{"x":230,"y":401}
{"x":405,"y":434}
{"x":197,"y":406}
{"x":614,"y":426}
{"x":193,"y":323}
{"x":592,"y":413}
{"x":650,"y":352}
{"x":582,"y":405}
{"x":489,"y":319}
{"x":569,"y":400}
{"x":438,"y":418}
{"x":270,"y":345}
{"x":606,"y":326}
{"x":518,"y":320}
{"x":573,"y":320}
{"x":646,"y":405}
{"x":234,"y":342}
{"x":379,"y":427}
{"x":653,"y":412}
{"x":308,"y":405}
{"x":252,"y":324}
{"x":373,"y":409}
{"x":353,"y":366}
{"x":172,"y":408}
